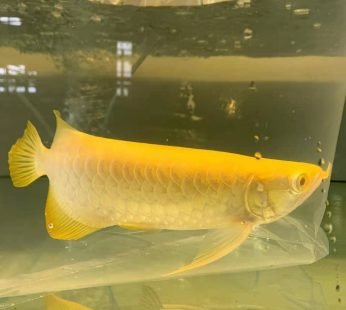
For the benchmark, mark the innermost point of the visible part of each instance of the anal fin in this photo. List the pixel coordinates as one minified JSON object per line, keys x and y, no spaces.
{"x":217,"y":244}
{"x":60,"y":225}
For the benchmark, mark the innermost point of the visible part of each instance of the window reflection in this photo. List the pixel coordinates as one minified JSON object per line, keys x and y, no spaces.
{"x":123,"y":68}
{"x":16,"y":79}
{"x":11,"y":21}
{"x":124,"y":48}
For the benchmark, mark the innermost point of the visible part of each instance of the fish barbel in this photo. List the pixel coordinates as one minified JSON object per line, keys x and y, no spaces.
{"x":96,"y":182}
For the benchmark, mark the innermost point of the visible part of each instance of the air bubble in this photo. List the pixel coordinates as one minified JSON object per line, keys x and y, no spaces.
{"x":237,"y":44}
{"x":288,"y":6}
{"x":59,"y":6}
{"x":95,"y":18}
{"x":232,"y":109}
{"x":50,"y":226}
{"x":319,"y":149}
{"x":317,"y":25}
{"x":56,"y":14}
{"x":329,"y":214}
{"x":321,"y":162}
{"x":301,"y":12}
{"x":256,"y":137}
{"x":327,"y":203}
{"x":328,"y":228}
{"x":333,"y":239}
{"x":258,"y":155}
{"x":183,"y":280}
{"x":260,"y":187}
{"x":244,"y":3}
{"x":252,"y":85}
{"x":247,"y":33}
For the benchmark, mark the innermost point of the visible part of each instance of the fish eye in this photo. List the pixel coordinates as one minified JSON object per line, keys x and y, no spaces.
{"x":300,"y":182}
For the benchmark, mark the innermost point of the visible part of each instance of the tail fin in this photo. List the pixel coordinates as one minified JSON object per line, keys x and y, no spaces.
{"x":24,"y":158}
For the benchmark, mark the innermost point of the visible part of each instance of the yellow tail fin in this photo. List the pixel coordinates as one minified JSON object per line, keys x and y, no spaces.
{"x":25,"y":156}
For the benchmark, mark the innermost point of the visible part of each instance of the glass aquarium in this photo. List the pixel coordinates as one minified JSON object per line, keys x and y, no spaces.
{"x":264,"y":79}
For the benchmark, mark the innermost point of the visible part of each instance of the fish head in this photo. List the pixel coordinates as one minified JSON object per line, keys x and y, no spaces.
{"x":278,"y":190}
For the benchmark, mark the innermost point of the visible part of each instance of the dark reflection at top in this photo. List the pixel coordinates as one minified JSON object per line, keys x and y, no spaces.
{"x":111,"y":73}
{"x":60,"y":26}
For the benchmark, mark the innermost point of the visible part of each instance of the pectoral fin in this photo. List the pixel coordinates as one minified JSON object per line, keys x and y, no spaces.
{"x":217,"y":244}
{"x":60,"y":225}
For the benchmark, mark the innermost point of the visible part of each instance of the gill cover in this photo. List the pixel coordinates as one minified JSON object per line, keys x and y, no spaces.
{"x":274,"y":195}
{"x":257,"y":200}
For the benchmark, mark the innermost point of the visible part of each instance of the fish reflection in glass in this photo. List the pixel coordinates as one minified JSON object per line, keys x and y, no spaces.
{"x":97,"y":182}
{"x":54,"y":302}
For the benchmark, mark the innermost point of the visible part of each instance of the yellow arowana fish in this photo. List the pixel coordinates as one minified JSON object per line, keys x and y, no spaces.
{"x":97,"y":182}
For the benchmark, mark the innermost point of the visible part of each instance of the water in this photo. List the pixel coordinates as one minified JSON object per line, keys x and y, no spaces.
{"x":240,"y":76}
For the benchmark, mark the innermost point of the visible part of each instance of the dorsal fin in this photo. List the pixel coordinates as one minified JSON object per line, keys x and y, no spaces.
{"x":60,"y":123}
{"x":63,"y":129}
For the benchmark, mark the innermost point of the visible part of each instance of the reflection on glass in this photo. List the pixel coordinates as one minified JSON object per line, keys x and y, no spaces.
{"x":11,"y":21}
{"x":15,"y":79}
{"x":124,"y":68}
{"x":124,"y":48}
